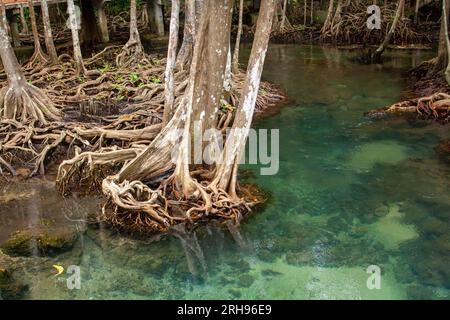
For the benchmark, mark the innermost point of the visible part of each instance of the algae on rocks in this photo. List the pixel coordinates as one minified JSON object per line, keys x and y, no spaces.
{"x":43,"y":241}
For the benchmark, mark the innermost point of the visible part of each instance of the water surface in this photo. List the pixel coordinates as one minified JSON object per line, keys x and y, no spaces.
{"x":351,"y":192}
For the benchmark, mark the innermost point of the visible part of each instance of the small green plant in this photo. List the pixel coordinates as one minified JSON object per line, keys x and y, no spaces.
{"x":156,"y":61}
{"x":262,"y":92}
{"x":120,"y":97}
{"x":81,"y":79}
{"x":105,"y":68}
{"x":118,"y":87}
{"x":134,"y":76}
{"x":155,"y":80}
{"x":141,"y":85}
{"x":225,"y":107}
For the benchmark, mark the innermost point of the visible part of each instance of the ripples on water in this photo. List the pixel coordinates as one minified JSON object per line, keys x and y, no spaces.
{"x":351,"y":192}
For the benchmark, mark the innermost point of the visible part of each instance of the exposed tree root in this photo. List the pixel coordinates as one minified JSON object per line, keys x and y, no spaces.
{"x":136,"y":207}
{"x":37,"y":61}
{"x":435,"y":107}
{"x":27,"y":103}
{"x":108,"y":121}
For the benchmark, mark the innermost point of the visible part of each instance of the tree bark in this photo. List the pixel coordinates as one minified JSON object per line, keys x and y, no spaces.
{"x":171,"y":60}
{"x":283,"y":15}
{"x":156,"y":17}
{"x":39,"y":58}
{"x":189,"y":33}
{"x":81,"y":69}
{"x":235,"y":67}
{"x":226,"y":174}
{"x":15,"y":31}
{"x":4,"y":20}
{"x":304,"y":12}
{"x":328,"y":19}
{"x":442,"y":59}
{"x":103,"y":23}
{"x":133,"y":51}
{"x":37,"y":44}
{"x":212,"y":67}
{"x":445,"y":5}
{"x":23,"y":21}
{"x":377,"y":54}
{"x":416,"y":12}
{"x":49,"y":44}
{"x":90,"y":32}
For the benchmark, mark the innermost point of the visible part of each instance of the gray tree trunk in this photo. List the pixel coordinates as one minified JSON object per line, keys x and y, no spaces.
{"x":49,"y":44}
{"x":171,"y":60}
{"x":81,"y":69}
{"x":235,"y":67}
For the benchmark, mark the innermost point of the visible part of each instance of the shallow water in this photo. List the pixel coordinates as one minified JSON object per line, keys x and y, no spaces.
{"x":351,"y":192}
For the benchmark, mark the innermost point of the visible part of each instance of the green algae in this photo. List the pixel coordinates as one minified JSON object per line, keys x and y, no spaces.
{"x":39,"y":241}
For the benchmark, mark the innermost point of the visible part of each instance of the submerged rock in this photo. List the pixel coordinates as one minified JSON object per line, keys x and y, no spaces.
{"x":246,"y":280}
{"x":43,"y":241}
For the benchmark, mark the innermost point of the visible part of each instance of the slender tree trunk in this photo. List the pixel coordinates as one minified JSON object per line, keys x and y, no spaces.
{"x":304,"y":12}
{"x":20,"y":100}
{"x":90,"y":32}
{"x":445,"y":4}
{"x":38,"y":59}
{"x":171,"y":60}
{"x":283,"y":15}
{"x":103,"y":23}
{"x":235,"y":67}
{"x":132,"y":51}
{"x":37,"y":44}
{"x":49,"y":44}
{"x":416,"y":12}
{"x":226,"y":174}
{"x":4,"y":21}
{"x":23,"y":21}
{"x":81,"y":69}
{"x":312,"y":12}
{"x":328,"y":19}
{"x":377,"y":55}
{"x":189,"y":33}
{"x":337,"y":16}
{"x":156,"y":17}
{"x":442,"y":59}
{"x":228,"y":72}
{"x":15,"y":31}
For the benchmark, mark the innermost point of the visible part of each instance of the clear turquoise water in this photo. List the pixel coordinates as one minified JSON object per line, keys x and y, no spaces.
{"x":351,"y":192}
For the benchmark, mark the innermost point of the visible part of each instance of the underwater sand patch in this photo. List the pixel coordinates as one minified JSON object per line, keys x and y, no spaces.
{"x":309,"y":282}
{"x":384,"y":152}
{"x":391,"y":231}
